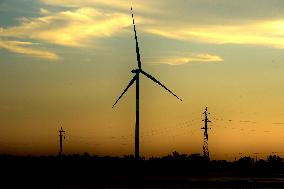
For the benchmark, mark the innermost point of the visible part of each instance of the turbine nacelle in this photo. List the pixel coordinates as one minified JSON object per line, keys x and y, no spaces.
{"x":136,"y":70}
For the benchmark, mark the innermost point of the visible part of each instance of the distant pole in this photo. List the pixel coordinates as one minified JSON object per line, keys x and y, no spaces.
{"x":256,"y":156}
{"x":61,"y":135}
{"x":205,"y":141}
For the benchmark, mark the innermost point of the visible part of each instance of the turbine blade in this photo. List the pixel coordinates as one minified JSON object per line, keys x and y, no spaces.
{"x":129,"y":85}
{"x":159,"y":83}
{"x":136,"y":40}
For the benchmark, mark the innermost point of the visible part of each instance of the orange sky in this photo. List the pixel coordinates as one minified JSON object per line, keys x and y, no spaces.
{"x":64,"y":63}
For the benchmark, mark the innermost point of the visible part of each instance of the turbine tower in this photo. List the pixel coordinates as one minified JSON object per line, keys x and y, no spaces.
{"x":205,"y":143}
{"x":137,"y":73}
{"x":61,"y":135}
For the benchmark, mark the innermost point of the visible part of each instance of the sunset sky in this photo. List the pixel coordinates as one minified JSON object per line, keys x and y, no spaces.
{"x":65,"y":62}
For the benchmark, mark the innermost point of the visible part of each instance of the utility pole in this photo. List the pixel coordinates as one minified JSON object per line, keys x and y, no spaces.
{"x":61,"y":135}
{"x":205,"y":142}
{"x":256,"y":156}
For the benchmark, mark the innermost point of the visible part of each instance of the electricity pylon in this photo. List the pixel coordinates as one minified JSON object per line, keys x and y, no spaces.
{"x":205,"y":143}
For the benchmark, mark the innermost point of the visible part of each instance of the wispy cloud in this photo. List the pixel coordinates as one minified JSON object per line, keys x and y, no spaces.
{"x":189,"y":58}
{"x":247,"y":121}
{"x":114,"y":4}
{"x":278,"y":123}
{"x":20,"y":47}
{"x":88,"y":20}
{"x":69,"y":28}
{"x":43,"y":11}
{"x":264,"y":33}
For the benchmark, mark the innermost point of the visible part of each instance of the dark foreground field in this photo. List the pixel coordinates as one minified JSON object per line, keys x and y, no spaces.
{"x":173,"y":171}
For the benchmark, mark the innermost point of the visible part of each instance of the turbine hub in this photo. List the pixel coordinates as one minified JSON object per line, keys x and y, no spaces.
{"x":136,"y":71}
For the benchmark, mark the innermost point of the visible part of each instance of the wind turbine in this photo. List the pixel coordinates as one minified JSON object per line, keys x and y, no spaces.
{"x":137,"y":73}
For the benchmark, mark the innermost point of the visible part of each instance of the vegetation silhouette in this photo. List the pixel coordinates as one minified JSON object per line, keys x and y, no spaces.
{"x":173,"y":170}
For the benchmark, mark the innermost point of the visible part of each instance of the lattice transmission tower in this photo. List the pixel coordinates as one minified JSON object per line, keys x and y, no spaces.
{"x":205,"y":143}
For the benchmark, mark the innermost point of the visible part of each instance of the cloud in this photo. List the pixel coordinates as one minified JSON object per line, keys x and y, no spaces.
{"x":82,"y":22}
{"x":114,"y":4}
{"x":43,"y":11}
{"x":267,"y":31}
{"x":20,"y":48}
{"x":69,"y":28}
{"x":264,"y":33}
{"x":192,"y":57}
{"x":279,"y":123}
{"x":79,"y":3}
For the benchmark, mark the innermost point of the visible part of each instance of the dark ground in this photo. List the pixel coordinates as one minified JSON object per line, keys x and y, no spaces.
{"x":172,"y":171}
